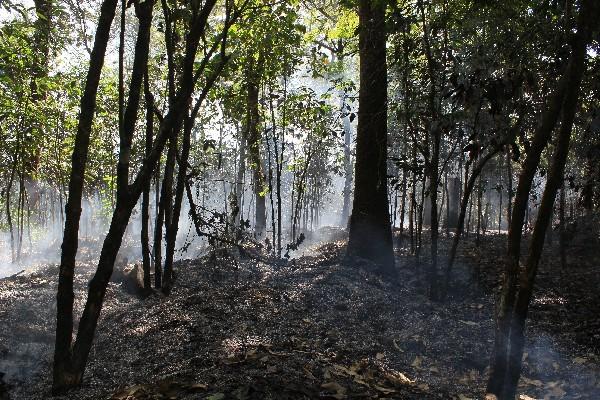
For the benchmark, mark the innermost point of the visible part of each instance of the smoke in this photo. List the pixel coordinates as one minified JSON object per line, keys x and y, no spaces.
{"x":42,"y":238}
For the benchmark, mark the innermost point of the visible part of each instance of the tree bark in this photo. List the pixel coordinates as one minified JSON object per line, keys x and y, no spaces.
{"x":347,"y":164}
{"x":71,"y":364}
{"x":63,"y":374}
{"x":370,"y":234}
{"x":588,"y":16}
{"x":514,"y":303}
{"x":253,"y":140}
{"x":562,"y":242}
{"x":145,"y":241}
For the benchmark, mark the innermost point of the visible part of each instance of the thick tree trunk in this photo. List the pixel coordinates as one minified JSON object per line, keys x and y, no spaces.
{"x":453,"y":202}
{"x":370,"y":232}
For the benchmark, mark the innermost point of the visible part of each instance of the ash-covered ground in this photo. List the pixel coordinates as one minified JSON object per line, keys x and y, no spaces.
{"x":316,"y":327}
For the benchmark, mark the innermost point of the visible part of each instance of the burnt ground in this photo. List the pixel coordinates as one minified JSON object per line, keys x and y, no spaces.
{"x":318,"y":327}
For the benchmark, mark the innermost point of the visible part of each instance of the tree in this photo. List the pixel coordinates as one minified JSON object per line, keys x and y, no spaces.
{"x":64,"y":375}
{"x":70,"y":362}
{"x":518,"y":283}
{"x":370,"y":234}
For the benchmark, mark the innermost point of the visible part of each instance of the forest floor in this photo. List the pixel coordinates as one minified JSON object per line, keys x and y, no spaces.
{"x":317,"y":327}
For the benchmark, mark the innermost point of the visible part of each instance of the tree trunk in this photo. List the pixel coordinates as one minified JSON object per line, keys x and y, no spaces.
{"x":71,"y":364}
{"x":463,"y":211}
{"x":241,"y":176}
{"x":403,"y":204}
{"x":479,"y":196}
{"x":370,"y":234}
{"x":166,"y":209}
{"x":562,"y":243}
{"x":64,"y":377}
{"x":513,"y":306}
{"x":145,"y":241}
{"x":453,"y":203}
{"x":347,"y":164}
{"x":253,"y":139}
{"x":553,"y":183}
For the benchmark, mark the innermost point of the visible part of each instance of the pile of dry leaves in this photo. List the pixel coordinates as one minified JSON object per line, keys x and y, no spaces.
{"x":314,"y":327}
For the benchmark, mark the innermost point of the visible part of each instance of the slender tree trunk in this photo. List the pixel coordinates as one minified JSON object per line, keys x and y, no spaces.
{"x":8,"y":212}
{"x":74,"y":362}
{"x":145,"y":241}
{"x":39,"y":71}
{"x":347,"y":163}
{"x":158,"y":228}
{"x":447,"y":193}
{"x":554,"y":181}
{"x":562,"y":245}
{"x":509,"y":189}
{"x":500,"y":192}
{"x":166,"y":199}
{"x":173,"y":227}
{"x":64,"y":375}
{"x":468,"y":190}
{"x":241,"y":174}
{"x":279,"y":169}
{"x":433,"y":194}
{"x":479,"y":196}
{"x":253,"y":138}
{"x":403,"y":204}
{"x":270,"y":180}
{"x":513,"y":306}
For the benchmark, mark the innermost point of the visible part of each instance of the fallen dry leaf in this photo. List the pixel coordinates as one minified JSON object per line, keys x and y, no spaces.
{"x":334,"y":387}
{"x":129,"y":392}
{"x":523,"y":397}
{"x":417,"y":362}
{"x":398,"y":378}
{"x":383,"y":389}
{"x":197,"y":386}
{"x":396,"y":346}
{"x":556,"y":392}
{"x":216,"y":396}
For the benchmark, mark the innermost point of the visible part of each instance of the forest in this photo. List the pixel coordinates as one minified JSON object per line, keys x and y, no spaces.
{"x":300,"y":199}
